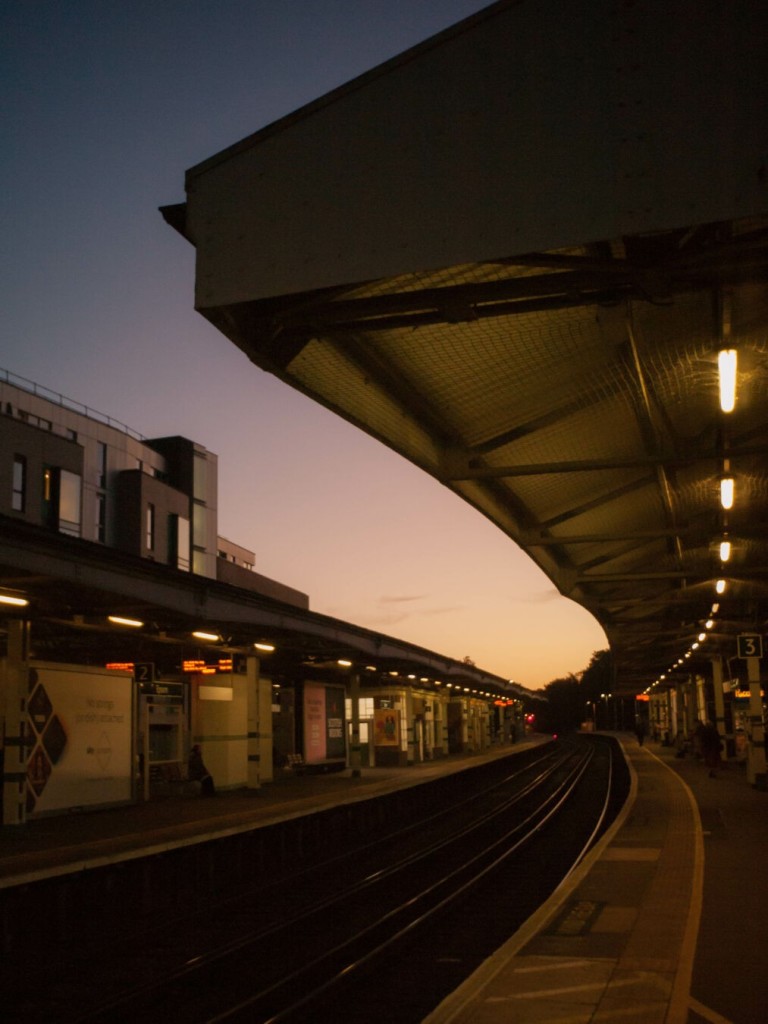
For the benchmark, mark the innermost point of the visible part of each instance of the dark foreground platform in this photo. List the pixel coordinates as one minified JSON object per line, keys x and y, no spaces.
{"x":664,"y":922}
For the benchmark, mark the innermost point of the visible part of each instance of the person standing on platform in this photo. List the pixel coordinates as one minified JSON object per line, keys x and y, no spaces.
{"x":199,"y":773}
{"x":709,"y":739}
{"x":640,"y":729}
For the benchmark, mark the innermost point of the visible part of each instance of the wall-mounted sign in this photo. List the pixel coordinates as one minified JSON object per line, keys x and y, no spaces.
{"x":164,"y":689}
{"x":204,"y":668}
{"x":386,"y":726}
{"x":749,"y":645}
{"x":80,"y":725}
{"x":143,"y":671}
{"x":323,"y":720}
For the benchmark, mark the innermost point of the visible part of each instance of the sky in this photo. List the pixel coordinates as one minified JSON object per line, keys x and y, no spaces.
{"x":106,"y":104}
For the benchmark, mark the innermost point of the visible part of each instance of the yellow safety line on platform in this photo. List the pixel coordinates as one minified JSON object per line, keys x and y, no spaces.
{"x":704,"y":1011}
{"x":681,"y":999}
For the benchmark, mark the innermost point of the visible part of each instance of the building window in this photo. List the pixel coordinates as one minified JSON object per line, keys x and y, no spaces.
{"x":365,"y":707}
{"x":199,"y":526}
{"x":150,"y":527}
{"x":178,"y":542}
{"x":69,"y":503}
{"x":200,"y":477}
{"x":101,"y":518}
{"x":19,"y":497}
{"x":62,"y":500}
{"x":101,"y":464}
{"x":35,"y":421}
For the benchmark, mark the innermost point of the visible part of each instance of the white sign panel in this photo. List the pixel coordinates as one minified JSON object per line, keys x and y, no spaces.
{"x":81,"y":727}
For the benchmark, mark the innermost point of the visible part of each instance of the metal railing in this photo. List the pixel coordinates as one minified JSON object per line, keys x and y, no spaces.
{"x":66,"y":403}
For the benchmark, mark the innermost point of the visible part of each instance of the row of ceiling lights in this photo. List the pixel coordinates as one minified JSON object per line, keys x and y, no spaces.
{"x":264,"y":648}
{"x":198,"y":634}
{"x":727,"y":362}
{"x":268,"y":648}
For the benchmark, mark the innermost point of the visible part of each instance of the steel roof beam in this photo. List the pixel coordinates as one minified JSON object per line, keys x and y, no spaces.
{"x":472,"y":470}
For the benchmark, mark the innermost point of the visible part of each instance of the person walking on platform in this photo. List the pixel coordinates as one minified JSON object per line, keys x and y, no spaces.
{"x":640,"y":729}
{"x":709,"y":739}
{"x":199,"y":773}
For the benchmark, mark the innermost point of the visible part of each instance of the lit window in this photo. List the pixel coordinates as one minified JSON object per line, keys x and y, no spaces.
{"x":178,"y":542}
{"x":69,"y":503}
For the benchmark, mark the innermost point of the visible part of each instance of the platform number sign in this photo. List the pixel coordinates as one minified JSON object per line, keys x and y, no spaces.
{"x":144,"y":672}
{"x":749,"y":645}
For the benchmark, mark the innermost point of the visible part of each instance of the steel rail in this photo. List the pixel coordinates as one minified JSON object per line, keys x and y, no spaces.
{"x":545,"y":764}
{"x":532,"y":825}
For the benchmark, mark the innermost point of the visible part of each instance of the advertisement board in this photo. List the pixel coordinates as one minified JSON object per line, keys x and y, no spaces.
{"x":323,"y":723}
{"x":80,"y":737}
{"x":386,"y":728}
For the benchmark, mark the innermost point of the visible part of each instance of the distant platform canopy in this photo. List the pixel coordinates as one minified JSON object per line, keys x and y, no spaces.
{"x":513,"y":255}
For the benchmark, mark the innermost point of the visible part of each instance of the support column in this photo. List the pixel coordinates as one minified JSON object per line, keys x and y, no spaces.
{"x":409,"y":724}
{"x":254,"y":716}
{"x":701,"y":698}
{"x":13,"y":708}
{"x":266,"y":733}
{"x":756,"y":773}
{"x":355,"y":759}
{"x":717,"y":686}
{"x":681,"y":730}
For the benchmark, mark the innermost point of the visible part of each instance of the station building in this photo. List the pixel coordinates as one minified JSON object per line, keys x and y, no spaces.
{"x":110,"y":703}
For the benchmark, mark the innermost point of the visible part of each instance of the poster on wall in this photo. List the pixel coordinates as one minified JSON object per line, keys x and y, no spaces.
{"x":334,"y":720}
{"x":323,"y":723}
{"x":80,"y":730}
{"x":386,"y":727}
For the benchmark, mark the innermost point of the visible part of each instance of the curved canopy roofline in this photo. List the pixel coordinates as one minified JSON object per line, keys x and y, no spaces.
{"x":513,"y":255}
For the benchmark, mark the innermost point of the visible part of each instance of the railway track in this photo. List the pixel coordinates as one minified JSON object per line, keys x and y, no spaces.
{"x":379,"y":932}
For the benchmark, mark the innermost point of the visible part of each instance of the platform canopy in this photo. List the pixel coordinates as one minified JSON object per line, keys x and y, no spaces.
{"x":513,"y":254}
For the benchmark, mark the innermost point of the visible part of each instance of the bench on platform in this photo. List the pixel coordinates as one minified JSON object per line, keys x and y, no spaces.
{"x":172,"y":778}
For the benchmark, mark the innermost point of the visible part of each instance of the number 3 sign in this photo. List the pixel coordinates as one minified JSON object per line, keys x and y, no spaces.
{"x":750,"y":645}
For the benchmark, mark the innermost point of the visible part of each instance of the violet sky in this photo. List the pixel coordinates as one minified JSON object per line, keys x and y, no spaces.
{"x":106,"y":104}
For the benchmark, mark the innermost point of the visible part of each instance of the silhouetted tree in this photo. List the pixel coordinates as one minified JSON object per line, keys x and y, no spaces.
{"x":564,"y":708}
{"x":568,"y":699}
{"x":598,"y":676}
